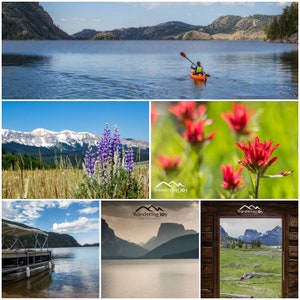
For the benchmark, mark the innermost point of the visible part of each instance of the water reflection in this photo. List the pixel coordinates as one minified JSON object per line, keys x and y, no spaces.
{"x":76,"y":275}
{"x":28,"y":288}
{"x":23,"y":60}
{"x":290,"y":60}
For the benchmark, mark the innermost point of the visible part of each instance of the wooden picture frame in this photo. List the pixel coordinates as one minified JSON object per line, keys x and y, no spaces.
{"x":212,"y":211}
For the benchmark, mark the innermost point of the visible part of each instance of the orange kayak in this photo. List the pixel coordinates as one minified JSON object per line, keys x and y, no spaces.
{"x":198,"y":76}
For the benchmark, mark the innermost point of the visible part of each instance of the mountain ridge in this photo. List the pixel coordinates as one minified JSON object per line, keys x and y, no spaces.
{"x":41,"y":137}
{"x":113,"y":247}
{"x":27,"y":20}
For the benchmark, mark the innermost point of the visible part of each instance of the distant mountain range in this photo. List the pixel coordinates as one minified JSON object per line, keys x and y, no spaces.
{"x":271,"y":237}
{"x":28,"y":20}
{"x":54,"y":239}
{"x":225,"y":27}
{"x":172,"y":241}
{"x":67,"y":143}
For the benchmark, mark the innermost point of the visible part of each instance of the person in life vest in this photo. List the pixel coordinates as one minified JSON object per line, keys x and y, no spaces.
{"x":197,"y":69}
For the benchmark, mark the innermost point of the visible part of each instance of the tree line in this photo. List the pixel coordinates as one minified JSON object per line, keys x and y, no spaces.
{"x":285,"y":25}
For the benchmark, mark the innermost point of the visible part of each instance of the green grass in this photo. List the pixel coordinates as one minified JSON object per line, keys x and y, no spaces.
{"x":272,"y":120}
{"x":235,"y":262}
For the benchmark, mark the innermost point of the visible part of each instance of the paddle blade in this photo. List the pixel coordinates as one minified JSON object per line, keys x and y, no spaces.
{"x":183,"y":54}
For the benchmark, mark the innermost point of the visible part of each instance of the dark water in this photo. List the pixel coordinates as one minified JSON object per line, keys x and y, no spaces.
{"x":148,"y":70}
{"x":76,"y":275}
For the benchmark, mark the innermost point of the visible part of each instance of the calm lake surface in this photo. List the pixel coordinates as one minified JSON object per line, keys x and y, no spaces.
{"x":76,"y":275}
{"x":148,"y":70}
{"x":153,"y":278}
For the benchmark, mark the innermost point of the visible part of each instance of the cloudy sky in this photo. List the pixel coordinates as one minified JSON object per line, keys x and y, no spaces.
{"x":73,"y":17}
{"x":237,"y":226}
{"x":79,"y":219}
{"x":119,"y":216}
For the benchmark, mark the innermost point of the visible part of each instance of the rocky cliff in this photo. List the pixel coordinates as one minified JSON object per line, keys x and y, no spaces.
{"x":28,"y":21}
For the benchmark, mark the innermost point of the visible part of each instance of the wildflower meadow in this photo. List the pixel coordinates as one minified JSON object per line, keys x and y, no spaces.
{"x":109,"y":171}
{"x":224,"y":150}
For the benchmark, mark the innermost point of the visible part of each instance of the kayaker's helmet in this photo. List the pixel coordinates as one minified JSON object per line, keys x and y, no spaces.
{"x":198,"y":63}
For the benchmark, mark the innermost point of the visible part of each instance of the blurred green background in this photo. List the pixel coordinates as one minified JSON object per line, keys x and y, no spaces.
{"x":275,"y":120}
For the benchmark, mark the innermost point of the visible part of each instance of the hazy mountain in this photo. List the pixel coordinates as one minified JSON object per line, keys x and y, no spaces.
{"x":166,"y":232}
{"x":115,"y":247}
{"x":28,"y":21}
{"x":223,"y":233}
{"x":269,"y":238}
{"x":186,"y":246}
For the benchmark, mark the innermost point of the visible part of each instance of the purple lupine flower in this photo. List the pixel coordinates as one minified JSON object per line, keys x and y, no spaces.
{"x":129,"y":160}
{"x":90,"y":163}
{"x":115,"y":141}
{"x":104,"y":146}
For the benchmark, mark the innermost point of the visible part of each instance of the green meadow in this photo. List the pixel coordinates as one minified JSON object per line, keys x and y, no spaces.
{"x":272,"y":120}
{"x":265,"y":262}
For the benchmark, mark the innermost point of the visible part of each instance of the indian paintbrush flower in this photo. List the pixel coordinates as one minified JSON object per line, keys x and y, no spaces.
{"x":195,"y":132}
{"x":168,"y":163}
{"x":232,"y":181}
{"x":258,"y":159}
{"x":238,"y":119}
{"x":154,"y":114}
{"x":187,"y":110}
{"x":258,"y":154}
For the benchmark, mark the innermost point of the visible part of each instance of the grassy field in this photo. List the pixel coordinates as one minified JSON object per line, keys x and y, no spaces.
{"x":265,"y":262}
{"x":53,"y":184}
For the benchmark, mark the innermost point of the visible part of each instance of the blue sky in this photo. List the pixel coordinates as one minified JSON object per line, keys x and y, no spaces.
{"x":79,"y":219}
{"x":132,"y":117}
{"x":73,"y":17}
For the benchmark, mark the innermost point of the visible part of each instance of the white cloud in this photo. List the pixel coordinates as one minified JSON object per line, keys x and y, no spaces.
{"x":88,"y":210}
{"x":24,"y":211}
{"x":82,"y":224}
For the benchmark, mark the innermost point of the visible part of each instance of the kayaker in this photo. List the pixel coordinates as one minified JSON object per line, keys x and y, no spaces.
{"x":198,"y":69}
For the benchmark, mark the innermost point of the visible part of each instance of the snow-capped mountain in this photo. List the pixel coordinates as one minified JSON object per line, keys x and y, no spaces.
{"x":45,"y":138}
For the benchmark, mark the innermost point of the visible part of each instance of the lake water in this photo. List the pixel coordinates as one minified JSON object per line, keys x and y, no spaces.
{"x":153,"y":278}
{"x":148,"y":70}
{"x":76,"y":275}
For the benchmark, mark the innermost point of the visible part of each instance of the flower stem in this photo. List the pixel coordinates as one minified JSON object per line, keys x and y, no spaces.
{"x":257,"y":185}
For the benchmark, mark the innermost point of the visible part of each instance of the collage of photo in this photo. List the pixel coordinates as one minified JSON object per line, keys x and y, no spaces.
{"x":152,"y":154}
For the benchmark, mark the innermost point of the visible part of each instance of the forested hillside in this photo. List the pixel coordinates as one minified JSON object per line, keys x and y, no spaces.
{"x":285,"y":26}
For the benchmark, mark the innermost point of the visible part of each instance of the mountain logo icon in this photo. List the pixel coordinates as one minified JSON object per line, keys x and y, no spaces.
{"x":150,"y":208}
{"x":171,"y":184}
{"x":250,"y":210}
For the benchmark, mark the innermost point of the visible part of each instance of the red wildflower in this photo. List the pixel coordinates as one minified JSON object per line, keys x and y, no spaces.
{"x":257,"y":155}
{"x":238,"y":120}
{"x":232,"y":180}
{"x":195,"y":132}
{"x":168,"y":163}
{"x":187,"y":110}
{"x":154,"y":114}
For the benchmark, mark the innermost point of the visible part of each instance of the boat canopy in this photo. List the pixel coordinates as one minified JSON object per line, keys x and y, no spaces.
{"x":18,"y":231}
